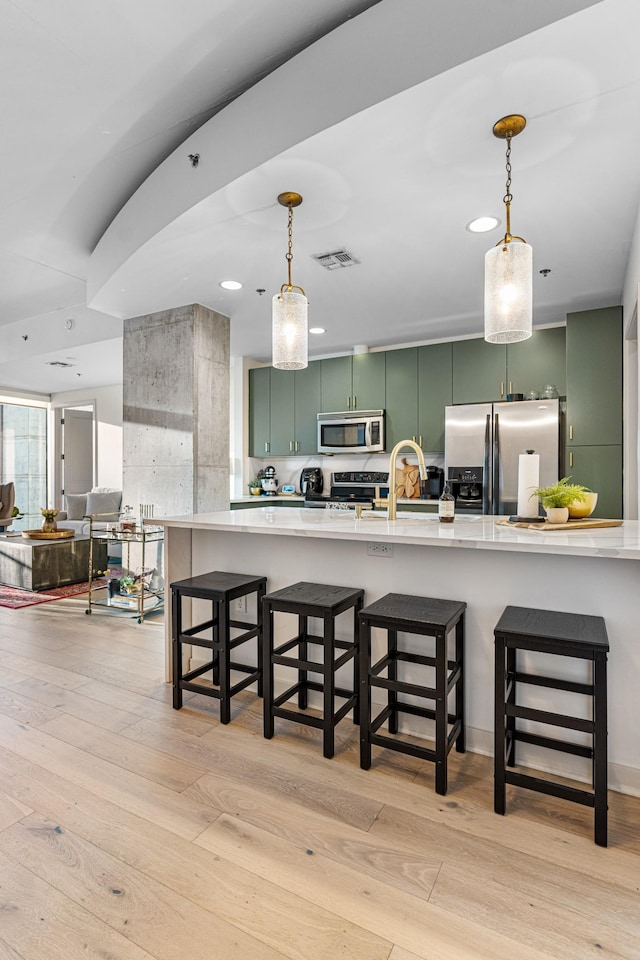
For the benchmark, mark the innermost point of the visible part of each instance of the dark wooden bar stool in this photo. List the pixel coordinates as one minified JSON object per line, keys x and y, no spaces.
{"x":325,"y":602}
{"x":567,"y":635}
{"x":424,"y":616}
{"x":221,"y":589}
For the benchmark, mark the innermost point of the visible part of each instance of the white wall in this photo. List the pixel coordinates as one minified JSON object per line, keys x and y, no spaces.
{"x":108,"y":408}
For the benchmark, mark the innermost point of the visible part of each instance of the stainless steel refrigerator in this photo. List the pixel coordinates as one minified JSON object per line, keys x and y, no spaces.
{"x":483,"y":442}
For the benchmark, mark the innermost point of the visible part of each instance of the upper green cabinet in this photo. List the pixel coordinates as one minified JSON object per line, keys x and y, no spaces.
{"x":259,"y":411}
{"x":418,"y":390}
{"x":306,"y":409}
{"x":479,"y":371}
{"x":489,"y":371}
{"x":540,"y":360}
{"x":435,"y":392}
{"x":283,"y":409}
{"x":594,"y":377}
{"x":401,"y":410}
{"x":352,"y":383}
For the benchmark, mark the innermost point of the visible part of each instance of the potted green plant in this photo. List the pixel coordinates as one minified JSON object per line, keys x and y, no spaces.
{"x":255,"y":485}
{"x":556,"y":498}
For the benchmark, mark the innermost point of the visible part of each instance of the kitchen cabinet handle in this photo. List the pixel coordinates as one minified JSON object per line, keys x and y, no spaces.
{"x":502,"y":388}
{"x":414,"y":438}
{"x":570,"y":431}
{"x":354,"y":402}
{"x":348,"y":403}
{"x":571,"y":458}
{"x":290,"y":446}
{"x":420,"y":441}
{"x":267,"y":446}
{"x":297,"y":446}
{"x":510,"y":386}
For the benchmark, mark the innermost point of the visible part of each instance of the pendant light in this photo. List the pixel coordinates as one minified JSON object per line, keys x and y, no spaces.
{"x":289,"y":310}
{"x":508,"y":267}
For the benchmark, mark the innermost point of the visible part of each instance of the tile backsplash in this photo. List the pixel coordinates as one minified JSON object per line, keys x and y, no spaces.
{"x":288,"y":468}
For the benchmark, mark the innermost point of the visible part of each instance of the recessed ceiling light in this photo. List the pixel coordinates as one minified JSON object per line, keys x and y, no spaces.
{"x":317,"y":330}
{"x":231,"y":285}
{"x":482,"y":224}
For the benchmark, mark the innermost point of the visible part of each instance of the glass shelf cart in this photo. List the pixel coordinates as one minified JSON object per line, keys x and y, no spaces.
{"x":138,"y":589}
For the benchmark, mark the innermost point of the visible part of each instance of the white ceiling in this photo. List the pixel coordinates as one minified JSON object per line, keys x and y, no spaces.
{"x":94,"y":99}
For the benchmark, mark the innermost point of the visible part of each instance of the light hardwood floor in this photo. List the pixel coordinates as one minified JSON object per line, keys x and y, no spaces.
{"x":130,"y":831}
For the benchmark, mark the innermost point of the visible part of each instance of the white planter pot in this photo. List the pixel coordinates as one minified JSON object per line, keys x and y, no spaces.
{"x":557,"y":514}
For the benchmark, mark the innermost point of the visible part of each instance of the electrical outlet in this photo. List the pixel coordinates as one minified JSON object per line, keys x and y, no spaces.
{"x":379,"y":549}
{"x":241,"y":605}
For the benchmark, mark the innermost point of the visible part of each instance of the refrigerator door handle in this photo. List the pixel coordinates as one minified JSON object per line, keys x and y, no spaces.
{"x":486,"y":495}
{"x":496,"y":465}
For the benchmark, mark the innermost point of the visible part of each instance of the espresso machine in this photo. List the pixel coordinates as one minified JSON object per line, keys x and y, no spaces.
{"x":270,"y":482}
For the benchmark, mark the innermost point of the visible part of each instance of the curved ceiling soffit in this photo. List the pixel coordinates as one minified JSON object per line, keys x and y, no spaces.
{"x":318,"y":88}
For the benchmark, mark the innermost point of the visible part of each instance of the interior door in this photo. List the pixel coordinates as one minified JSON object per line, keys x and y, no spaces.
{"x":78,"y":453}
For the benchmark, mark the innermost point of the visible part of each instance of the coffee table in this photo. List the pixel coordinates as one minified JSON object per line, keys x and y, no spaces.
{"x":43,"y":564}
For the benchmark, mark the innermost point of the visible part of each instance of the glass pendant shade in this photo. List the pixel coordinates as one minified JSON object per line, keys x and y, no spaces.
{"x":508,"y":292}
{"x":289,"y":330}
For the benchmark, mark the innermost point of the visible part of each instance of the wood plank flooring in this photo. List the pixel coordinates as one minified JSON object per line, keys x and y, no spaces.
{"x":130,"y":831}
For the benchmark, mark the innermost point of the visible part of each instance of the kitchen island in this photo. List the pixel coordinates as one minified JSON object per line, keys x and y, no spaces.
{"x":474,"y":559}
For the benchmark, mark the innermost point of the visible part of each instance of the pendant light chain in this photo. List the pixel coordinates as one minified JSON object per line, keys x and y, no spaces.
{"x":289,"y":256}
{"x":508,"y":197}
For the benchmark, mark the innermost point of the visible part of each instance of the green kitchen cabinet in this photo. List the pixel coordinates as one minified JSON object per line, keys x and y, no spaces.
{"x":336,"y":384}
{"x":368,"y":381}
{"x":533,"y":363}
{"x":283,"y":408}
{"x":306,"y":409}
{"x":282,"y":413}
{"x":479,"y":371}
{"x":594,"y":377}
{"x":353,"y":382}
{"x":259,"y":411}
{"x":435,"y":392}
{"x":600,"y":469}
{"x":401,"y":417}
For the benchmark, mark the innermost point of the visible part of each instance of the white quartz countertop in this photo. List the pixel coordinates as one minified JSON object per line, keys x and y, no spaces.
{"x":469,"y":531}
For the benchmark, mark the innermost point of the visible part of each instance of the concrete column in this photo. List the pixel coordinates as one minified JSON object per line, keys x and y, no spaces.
{"x":176,"y":411}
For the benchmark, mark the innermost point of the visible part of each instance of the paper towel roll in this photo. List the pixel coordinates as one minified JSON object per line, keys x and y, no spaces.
{"x":528,"y":480}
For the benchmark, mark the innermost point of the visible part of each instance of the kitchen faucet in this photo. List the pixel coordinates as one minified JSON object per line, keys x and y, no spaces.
{"x":393,"y":497}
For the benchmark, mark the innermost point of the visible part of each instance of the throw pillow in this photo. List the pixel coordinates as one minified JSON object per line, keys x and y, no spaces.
{"x":76,"y":505}
{"x":104,"y":503}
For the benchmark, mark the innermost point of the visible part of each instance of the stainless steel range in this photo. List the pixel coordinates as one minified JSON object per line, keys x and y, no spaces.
{"x":350,"y":489}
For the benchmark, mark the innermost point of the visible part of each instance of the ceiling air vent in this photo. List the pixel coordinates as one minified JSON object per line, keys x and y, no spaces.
{"x":333,"y":261}
{"x":58,"y":363}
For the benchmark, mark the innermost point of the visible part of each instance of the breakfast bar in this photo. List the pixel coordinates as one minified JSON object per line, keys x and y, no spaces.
{"x":476,"y":559}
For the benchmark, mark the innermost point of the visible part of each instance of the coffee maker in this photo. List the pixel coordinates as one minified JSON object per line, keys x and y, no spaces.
{"x":311,"y":480}
{"x":270,"y":482}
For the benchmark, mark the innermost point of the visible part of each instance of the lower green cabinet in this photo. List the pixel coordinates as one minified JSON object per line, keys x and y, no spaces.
{"x":600,"y":469}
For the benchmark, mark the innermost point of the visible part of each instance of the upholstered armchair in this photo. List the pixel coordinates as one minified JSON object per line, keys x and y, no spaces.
{"x":7,"y":501}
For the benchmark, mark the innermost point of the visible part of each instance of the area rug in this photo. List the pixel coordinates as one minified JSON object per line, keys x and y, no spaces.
{"x":15,"y":597}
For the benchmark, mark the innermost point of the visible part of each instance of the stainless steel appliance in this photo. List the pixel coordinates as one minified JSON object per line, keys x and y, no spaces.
{"x":311,"y":480}
{"x":483,"y":442}
{"x":351,"y":431}
{"x":350,"y":489}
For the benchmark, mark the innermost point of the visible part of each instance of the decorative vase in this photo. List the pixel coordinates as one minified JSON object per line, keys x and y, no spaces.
{"x":580,"y":509}
{"x":49,"y":525}
{"x":557,"y":514}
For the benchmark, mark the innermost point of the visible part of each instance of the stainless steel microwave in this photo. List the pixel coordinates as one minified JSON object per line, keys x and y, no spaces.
{"x":351,"y":431}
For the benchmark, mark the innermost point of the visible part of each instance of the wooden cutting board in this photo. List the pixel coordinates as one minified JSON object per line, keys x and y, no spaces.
{"x":569,"y":525}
